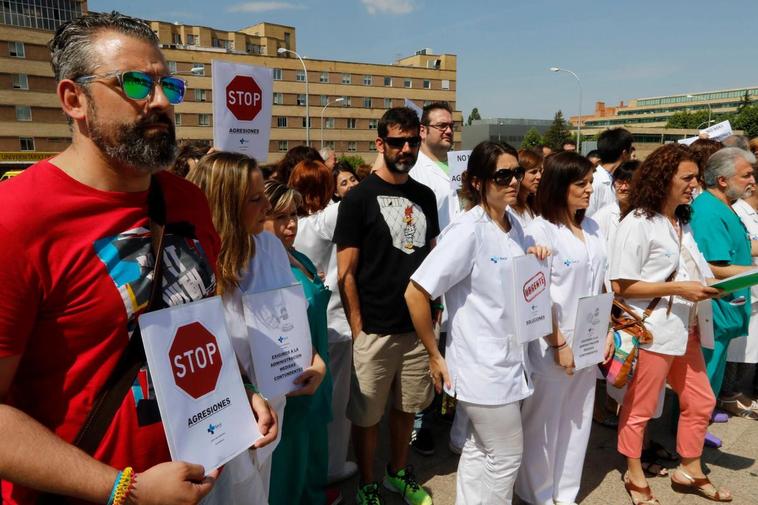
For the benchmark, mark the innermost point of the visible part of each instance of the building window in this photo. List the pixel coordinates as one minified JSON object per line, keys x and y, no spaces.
{"x":408,"y":83}
{"x":220,"y":43}
{"x":352,"y":146}
{"x":254,"y":49}
{"x":347,"y":78}
{"x":17,"y":49}
{"x":283,"y":145}
{"x":324,"y":100}
{"x":445,"y":84}
{"x":177,"y":119}
{"x":200,"y":69}
{"x":310,"y":123}
{"x":192,"y":40}
{"x":427,"y":102}
{"x":329,"y":122}
{"x":23,"y":113}
{"x":20,"y":81}
{"x":346,"y":102}
{"x":388,"y":103}
{"x":27,"y":143}
{"x":329,"y":144}
{"x":204,"y":119}
{"x":300,"y":76}
{"x":278,"y":99}
{"x":427,"y":84}
{"x":277,"y":74}
{"x":373,"y":124}
{"x":367,"y":103}
{"x":351,"y":123}
{"x":324,"y":77}
{"x":371,"y":146}
{"x":171,"y":66}
{"x":301,"y":99}
{"x":388,"y":81}
{"x":200,"y":95}
{"x":281,"y":122}
{"x":176,"y":38}
{"x":368,"y":80}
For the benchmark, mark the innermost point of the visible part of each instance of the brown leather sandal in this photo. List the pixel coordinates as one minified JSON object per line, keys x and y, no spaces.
{"x":701,"y":486}
{"x":648,"y":499}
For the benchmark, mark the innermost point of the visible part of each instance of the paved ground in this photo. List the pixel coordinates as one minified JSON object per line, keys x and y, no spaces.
{"x":734,"y":466}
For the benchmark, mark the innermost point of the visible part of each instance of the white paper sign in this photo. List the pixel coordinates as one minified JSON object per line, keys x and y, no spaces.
{"x":280,"y":338}
{"x":705,"y":324}
{"x":592,"y":317}
{"x":531,"y":284}
{"x":205,"y":410}
{"x":242,"y":100}
{"x":457,"y":161}
{"x":719,"y":132}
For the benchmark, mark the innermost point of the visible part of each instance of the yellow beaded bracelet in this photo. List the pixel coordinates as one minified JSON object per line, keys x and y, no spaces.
{"x":124,"y":486}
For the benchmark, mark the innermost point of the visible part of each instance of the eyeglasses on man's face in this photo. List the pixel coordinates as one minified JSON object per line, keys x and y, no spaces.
{"x":399,"y":142}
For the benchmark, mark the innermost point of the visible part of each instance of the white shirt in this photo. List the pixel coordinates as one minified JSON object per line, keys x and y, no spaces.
{"x":472,"y":266}
{"x":648,"y":250}
{"x":749,"y":218}
{"x":524,"y":219}
{"x":577,"y":269}
{"x":602,"y":191}
{"x":427,"y":172}
{"x":314,"y":239}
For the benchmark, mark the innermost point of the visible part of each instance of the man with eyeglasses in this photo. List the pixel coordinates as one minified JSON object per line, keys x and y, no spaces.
{"x":77,"y":269}
{"x":385,"y":228}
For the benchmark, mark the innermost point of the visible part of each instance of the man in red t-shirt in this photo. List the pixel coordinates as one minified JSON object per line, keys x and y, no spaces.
{"x":74,"y":267}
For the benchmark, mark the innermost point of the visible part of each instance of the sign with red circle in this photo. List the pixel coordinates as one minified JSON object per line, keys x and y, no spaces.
{"x":195,"y":360}
{"x":244,"y":97}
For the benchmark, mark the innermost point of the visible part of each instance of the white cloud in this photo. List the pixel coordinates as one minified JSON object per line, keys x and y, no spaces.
{"x":263,"y":6}
{"x":389,"y":6}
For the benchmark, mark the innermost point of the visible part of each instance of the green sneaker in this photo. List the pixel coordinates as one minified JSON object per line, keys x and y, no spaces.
{"x":368,"y":494}
{"x":404,"y":483}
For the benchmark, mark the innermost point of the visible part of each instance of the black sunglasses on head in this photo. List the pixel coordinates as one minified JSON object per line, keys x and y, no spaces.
{"x":399,"y":142}
{"x":504,"y":176}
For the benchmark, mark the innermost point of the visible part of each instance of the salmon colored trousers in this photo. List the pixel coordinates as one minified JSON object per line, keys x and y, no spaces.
{"x":688,"y":378}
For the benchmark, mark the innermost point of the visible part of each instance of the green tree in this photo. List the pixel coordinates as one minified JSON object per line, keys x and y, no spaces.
{"x":744,"y":102}
{"x":353,"y":160}
{"x":531,"y":139}
{"x":689,"y":120}
{"x":474,"y":115}
{"x":557,"y":133}
{"x":747,"y":120}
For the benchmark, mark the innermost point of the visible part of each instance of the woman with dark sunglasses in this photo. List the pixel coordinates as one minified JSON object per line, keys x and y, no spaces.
{"x":484,"y":363}
{"x":558,"y":416}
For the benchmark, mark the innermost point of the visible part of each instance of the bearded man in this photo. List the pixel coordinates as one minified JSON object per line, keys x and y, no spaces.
{"x":385,"y":228}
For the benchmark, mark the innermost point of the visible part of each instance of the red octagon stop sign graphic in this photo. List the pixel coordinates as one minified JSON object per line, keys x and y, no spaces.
{"x":244,"y":97}
{"x":195,"y":360}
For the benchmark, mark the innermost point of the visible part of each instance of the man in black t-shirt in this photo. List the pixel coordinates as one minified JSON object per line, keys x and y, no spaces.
{"x":385,"y":229}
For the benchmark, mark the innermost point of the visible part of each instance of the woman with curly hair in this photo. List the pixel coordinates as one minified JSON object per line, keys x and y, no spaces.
{"x":656,"y":267}
{"x":523,"y":209}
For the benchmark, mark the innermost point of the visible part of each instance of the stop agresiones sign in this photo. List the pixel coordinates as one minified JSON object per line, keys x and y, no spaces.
{"x":195,"y":360}
{"x":244,"y":98}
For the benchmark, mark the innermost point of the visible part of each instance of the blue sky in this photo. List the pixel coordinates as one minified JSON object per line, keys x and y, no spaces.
{"x":619,"y":49}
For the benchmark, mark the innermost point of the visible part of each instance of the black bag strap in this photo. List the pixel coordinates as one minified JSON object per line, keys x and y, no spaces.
{"x":133,"y":358}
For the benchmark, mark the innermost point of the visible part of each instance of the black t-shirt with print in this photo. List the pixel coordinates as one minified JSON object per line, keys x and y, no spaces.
{"x":393,"y":226}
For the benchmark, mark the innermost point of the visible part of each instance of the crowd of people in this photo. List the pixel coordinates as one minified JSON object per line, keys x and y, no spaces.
{"x":409,"y":289}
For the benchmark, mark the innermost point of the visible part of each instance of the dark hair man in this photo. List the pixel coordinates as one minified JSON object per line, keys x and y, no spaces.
{"x":385,"y":228}
{"x":569,"y":145}
{"x":77,"y":273}
{"x":614,"y":147}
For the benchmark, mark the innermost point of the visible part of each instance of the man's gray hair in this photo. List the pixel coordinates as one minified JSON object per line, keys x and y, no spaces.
{"x":71,"y":52}
{"x":737,"y":141}
{"x":723,"y":164}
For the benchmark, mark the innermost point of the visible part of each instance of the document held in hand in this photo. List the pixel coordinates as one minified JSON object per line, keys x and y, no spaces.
{"x":531,"y":284}
{"x":204,"y":407}
{"x":739,"y":281}
{"x":593,"y":315}
{"x":280,"y":338}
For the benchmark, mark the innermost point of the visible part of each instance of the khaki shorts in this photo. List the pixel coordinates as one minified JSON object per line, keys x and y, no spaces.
{"x":383,"y":365}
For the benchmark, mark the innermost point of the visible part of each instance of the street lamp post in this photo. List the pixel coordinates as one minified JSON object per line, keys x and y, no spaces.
{"x":709,"y":108}
{"x":704,"y":123}
{"x":579,"y":125}
{"x":499,"y":124}
{"x":336,"y":100}
{"x":283,"y":50}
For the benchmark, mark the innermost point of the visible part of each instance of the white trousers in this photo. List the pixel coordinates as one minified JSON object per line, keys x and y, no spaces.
{"x":557,"y":419}
{"x":340,"y":362}
{"x":491,"y":454}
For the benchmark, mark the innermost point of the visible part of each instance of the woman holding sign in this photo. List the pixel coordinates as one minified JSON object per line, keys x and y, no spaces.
{"x":557,"y":418}
{"x":484,"y":363}
{"x":656,"y":263}
{"x":301,"y":461}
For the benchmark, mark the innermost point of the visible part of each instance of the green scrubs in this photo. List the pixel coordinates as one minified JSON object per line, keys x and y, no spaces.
{"x":301,"y":460}
{"x":722,"y":238}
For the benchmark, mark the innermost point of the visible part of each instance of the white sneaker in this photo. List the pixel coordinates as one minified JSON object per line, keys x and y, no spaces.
{"x":348,"y":470}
